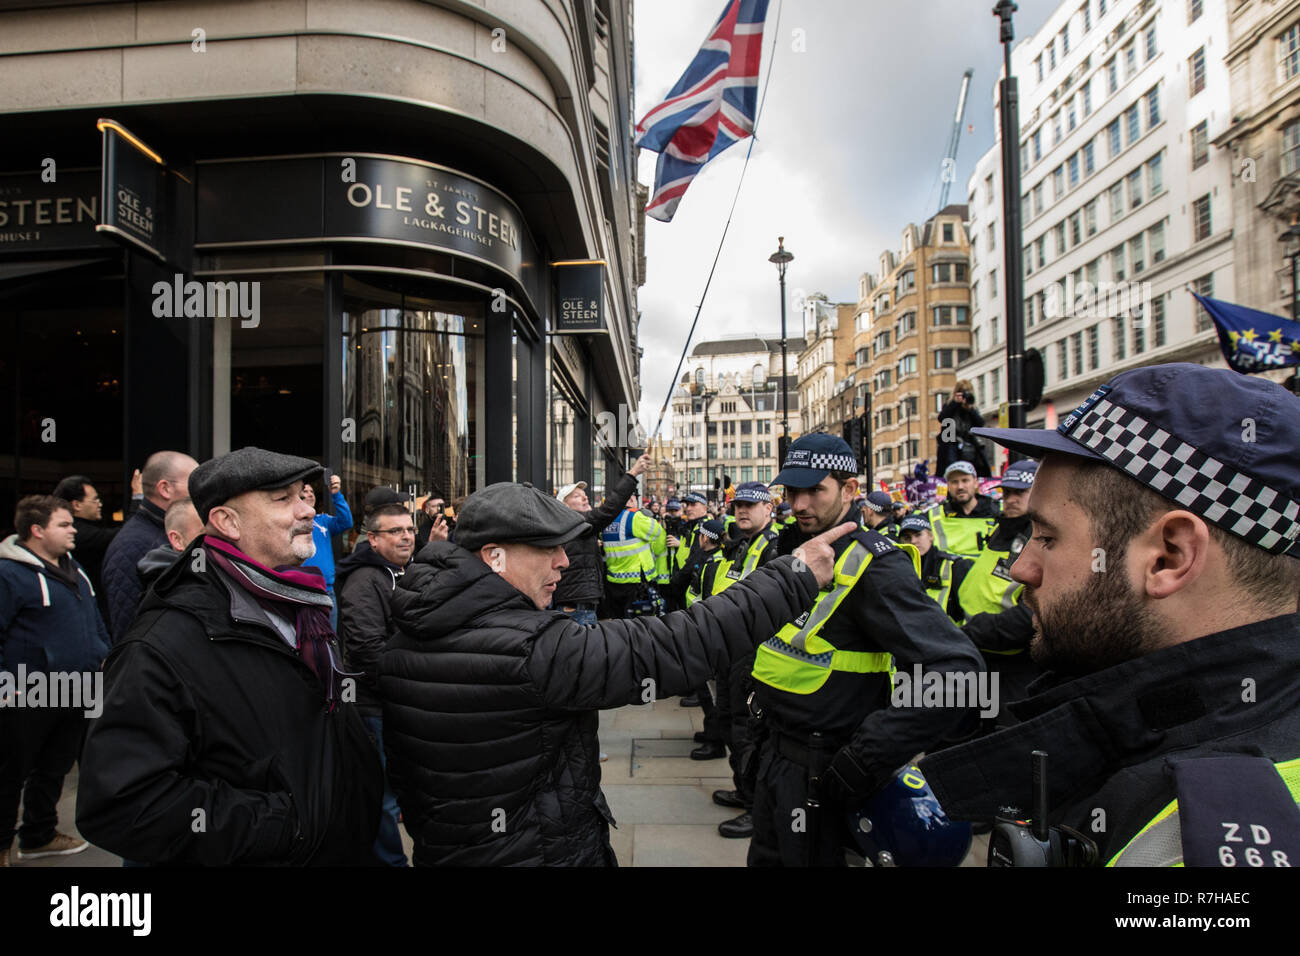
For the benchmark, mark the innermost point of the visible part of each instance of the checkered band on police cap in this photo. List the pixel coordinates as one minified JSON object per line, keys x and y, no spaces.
{"x":1200,"y":483}
{"x":753,"y":491}
{"x":822,"y":461}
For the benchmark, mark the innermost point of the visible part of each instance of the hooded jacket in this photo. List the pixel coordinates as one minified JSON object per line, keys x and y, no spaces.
{"x":154,"y":563}
{"x":49,"y":620}
{"x":583,"y":581}
{"x":490,"y":705}
{"x":365,"y":583}
{"x":207,"y":708}
{"x":142,"y":532}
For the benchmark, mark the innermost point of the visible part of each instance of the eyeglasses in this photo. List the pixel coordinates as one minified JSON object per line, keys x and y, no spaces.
{"x":398,"y":532}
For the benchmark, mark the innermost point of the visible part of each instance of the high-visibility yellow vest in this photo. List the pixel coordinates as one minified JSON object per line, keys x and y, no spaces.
{"x":729,"y":574}
{"x":939,"y":592}
{"x":1160,"y":842}
{"x":686,"y":544}
{"x":958,"y":535}
{"x":985,"y":590}
{"x":702,"y":582}
{"x":634,"y":545}
{"x":798,"y":659}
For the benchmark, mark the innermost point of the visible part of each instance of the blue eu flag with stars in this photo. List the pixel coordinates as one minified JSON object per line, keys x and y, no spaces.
{"x":1253,"y":341}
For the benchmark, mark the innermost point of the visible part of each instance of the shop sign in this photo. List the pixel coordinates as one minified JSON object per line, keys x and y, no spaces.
{"x":579,"y":296}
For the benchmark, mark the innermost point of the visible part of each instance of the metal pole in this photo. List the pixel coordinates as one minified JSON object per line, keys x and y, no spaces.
{"x":1295,"y":300}
{"x":1011,"y":226}
{"x":708,"y":478}
{"x":785,"y":413}
{"x":868,"y":451}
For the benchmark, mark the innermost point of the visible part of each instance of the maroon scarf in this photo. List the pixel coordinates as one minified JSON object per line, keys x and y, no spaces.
{"x":296,"y":593}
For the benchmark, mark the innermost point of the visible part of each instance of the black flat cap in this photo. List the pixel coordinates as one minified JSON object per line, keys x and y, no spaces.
{"x":507,"y":512}
{"x":218,"y":480}
{"x":384,"y":495}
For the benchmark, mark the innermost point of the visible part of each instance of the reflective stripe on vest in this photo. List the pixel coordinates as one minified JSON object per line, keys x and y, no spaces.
{"x":798,"y":659}
{"x":723,"y":579}
{"x":983,"y":592}
{"x":940,"y":594}
{"x":963,"y":537}
{"x":1160,"y":842}
{"x":627,"y":558}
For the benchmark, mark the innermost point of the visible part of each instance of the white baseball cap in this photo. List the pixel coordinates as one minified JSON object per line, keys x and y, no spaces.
{"x":567,"y":490}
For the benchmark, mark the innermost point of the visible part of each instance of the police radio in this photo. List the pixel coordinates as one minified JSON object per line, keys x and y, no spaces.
{"x":1019,"y":842}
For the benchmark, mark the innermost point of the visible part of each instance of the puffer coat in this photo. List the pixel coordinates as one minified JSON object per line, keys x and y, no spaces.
{"x":490,"y":705}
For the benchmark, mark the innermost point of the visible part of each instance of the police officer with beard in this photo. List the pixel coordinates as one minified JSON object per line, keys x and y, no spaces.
{"x":828,"y":735}
{"x":1163,"y":574}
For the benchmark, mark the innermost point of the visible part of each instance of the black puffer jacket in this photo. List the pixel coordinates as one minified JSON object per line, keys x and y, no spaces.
{"x":142,"y":533}
{"x":490,"y":705}
{"x":583,"y":581}
{"x":364,"y":584}
{"x":207,"y":708}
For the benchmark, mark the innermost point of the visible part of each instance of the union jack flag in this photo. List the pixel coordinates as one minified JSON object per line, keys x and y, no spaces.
{"x":710,"y":108}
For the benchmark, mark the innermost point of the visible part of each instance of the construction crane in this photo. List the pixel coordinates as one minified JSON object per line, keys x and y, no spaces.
{"x":949,"y":169}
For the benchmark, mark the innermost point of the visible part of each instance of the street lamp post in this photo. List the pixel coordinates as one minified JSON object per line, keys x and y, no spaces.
{"x":1009,"y":97}
{"x":782,"y":258}
{"x":1290,"y":240}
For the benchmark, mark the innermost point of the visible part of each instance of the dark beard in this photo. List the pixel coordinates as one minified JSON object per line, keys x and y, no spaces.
{"x":1098,"y":625}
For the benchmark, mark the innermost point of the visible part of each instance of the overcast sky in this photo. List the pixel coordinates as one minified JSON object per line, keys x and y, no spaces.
{"x":850,"y":142}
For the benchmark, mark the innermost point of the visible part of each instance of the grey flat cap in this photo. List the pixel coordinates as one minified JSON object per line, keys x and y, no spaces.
{"x":383,"y":495}
{"x":508,"y":512}
{"x":218,"y":480}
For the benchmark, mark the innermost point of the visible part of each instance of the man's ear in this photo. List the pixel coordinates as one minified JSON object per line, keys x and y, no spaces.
{"x":225,"y":522}
{"x":1174,"y":553}
{"x":851,"y":486}
{"x":494,"y":556}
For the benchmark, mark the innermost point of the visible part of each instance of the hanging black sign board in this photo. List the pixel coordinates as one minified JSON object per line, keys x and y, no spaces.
{"x":131,"y":190}
{"x":579,"y":297}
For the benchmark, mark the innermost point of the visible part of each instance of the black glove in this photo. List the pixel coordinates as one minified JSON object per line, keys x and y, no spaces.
{"x":845,"y":782}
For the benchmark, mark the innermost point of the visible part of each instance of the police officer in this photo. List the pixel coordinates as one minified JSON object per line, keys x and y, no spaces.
{"x":674,"y":524}
{"x":897,"y":512}
{"x":696,"y":579}
{"x":998,"y":624}
{"x":963,"y":521}
{"x":784,"y":518}
{"x":694,"y":510}
{"x":877,"y":508}
{"x":634,"y":557}
{"x":752,"y":541}
{"x":829,"y":735}
{"x":942,"y":573}
{"x":1163,"y":574}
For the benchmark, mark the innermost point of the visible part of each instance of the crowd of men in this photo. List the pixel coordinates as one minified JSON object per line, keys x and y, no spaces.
{"x":264,"y":705}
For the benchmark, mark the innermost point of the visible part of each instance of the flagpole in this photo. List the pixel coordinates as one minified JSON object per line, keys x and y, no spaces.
{"x":753,"y":138}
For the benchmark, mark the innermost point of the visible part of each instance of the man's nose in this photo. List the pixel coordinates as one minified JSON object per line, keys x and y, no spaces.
{"x":1026,"y":570}
{"x":561,"y":560}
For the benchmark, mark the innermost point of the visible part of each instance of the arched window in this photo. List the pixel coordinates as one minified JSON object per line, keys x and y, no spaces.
{"x":760,"y":376}
{"x":699,"y":376}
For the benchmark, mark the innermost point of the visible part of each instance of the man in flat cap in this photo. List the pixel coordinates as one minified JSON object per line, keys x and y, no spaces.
{"x":227,"y":735}
{"x":1163,"y":575}
{"x":490,"y":701}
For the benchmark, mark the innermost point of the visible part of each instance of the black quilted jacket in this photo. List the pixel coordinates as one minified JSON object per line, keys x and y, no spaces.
{"x":583,"y":581}
{"x":490,"y":706}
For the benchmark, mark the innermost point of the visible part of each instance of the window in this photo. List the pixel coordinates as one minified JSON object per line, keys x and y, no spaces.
{"x":1094,"y":271}
{"x":950,"y":315}
{"x":1101,"y":8}
{"x":1070,"y":121}
{"x":1153,"y":107}
{"x":1289,"y":51}
{"x":993,"y":283}
{"x":1114,"y":141}
{"x":988,"y":188}
{"x":1130,"y":60}
{"x":1029,"y":261}
{"x":1119,"y":338}
{"x":1089,"y":159}
{"x":1040,"y":248}
{"x":884,"y":379}
{"x":906,"y":282}
{"x":746,"y":449}
{"x":1196,"y":72}
{"x":860,"y":358}
{"x":1193,"y":10}
{"x":1135,"y":188}
{"x":1056,"y":128}
{"x":1073,"y":165}
{"x":1086,"y":10}
{"x":1139,"y":335}
{"x":907,"y":408}
{"x":1133,"y":123}
{"x":1076,"y":229}
{"x":1037,"y":140}
{"x":906,"y":324}
{"x":1058,"y":182}
{"x":1137,"y":252}
{"x":1156,"y":242}
{"x":1201,"y":144}
{"x":1150,"y":41}
{"x":1087,"y":97}
{"x":1038,"y":198}
{"x":1201,"y":225}
{"x":996,"y":386}
{"x":1090,"y":217}
{"x":906,"y":366}
{"x":950,"y":358}
{"x":1094,"y":349}
{"x":1062,"y":360}
{"x":1117,"y":273}
{"x":1155,"y":174}
{"x":1029,"y":312}
{"x":992,"y":237}
{"x":1051,"y":56}
{"x":1158,"y":320}
{"x":1116,"y":201}
{"x":1291,"y":148}
{"x":882,"y":342}
{"x":1204,"y":286}
{"x":1112,"y":76}
{"x":1038,"y":66}
{"x":947,"y":231}
{"x":1058,"y":236}
{"x":1065,"y":39}
{"x":975,"y":294}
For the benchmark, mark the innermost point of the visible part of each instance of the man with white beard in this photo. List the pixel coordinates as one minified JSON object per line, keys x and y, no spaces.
{"x":228,"y":735}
